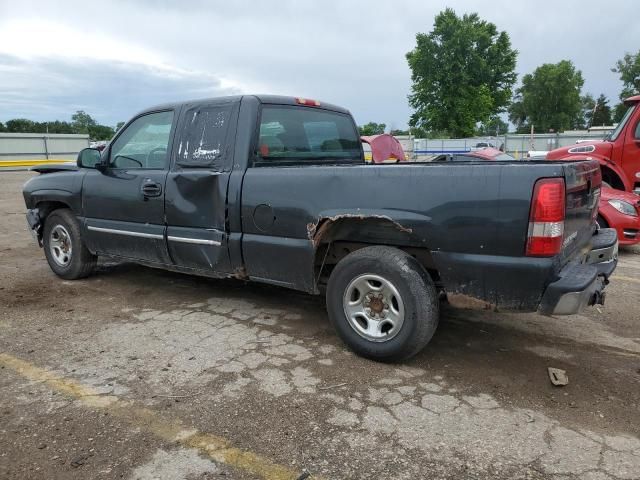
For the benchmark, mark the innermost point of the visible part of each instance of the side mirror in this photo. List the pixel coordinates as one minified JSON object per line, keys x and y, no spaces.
{"x":89,"y":158}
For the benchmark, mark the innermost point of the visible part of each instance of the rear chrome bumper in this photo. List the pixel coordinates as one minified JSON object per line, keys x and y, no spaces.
{"x":582,"y":284}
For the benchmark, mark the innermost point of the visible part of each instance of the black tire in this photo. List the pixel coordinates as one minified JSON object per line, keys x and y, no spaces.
{"x":417,"y":292}
{"x":80,"y":261}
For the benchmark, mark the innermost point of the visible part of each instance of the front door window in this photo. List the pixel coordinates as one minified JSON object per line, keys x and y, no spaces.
{"x":143,"y":144}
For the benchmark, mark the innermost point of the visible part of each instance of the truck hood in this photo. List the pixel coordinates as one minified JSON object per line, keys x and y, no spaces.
{"x":613,"y":194}
{"x":582,"y":151}
{"x":60,"y":167}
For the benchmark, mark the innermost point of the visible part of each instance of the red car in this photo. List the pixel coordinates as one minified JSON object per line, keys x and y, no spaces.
{"x":618,"y":209}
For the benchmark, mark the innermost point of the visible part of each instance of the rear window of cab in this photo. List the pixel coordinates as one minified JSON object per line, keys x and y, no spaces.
{"x":292,"y":134}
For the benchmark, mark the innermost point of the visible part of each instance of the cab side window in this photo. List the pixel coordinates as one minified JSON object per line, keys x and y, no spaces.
{"x":204,"y":136}
{"x":144,"y":142}
{"x":637,"y":134}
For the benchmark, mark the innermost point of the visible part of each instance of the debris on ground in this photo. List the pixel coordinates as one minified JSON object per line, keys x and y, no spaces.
{"x":558,"y":377}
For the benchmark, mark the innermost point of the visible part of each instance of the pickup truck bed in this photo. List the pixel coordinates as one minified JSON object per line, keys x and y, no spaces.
{"x":275,"y":189}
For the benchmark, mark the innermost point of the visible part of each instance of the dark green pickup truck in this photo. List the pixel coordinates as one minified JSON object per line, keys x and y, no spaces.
{"x":276,"y":190}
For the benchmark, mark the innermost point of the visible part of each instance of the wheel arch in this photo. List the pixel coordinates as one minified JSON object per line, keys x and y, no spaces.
{"x":336,"y":236}
{"x":612,"y":175}
{"x":43,"y":207}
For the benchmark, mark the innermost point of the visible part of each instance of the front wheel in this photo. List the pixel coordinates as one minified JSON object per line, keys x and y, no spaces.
{"x":382,"y":303}
{"x":63,"y":246}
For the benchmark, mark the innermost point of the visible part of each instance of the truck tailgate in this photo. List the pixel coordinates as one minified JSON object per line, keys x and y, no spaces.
{"x":583,"y":181}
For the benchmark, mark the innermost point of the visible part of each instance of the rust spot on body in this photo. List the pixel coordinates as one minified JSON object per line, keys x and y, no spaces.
{"x":316,"y":231}
{"x":240,"y":273}
{"x":460,"y":300}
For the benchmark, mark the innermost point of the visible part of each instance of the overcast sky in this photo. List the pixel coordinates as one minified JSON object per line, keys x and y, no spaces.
{"x":112,"y":58}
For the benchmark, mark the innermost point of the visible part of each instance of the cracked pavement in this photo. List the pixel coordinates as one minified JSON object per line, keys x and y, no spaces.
{"x":260,"y":367}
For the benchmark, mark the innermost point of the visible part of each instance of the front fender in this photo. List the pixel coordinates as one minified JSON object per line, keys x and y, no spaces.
{"x":604,"y":162}
{"x":64,"y":187}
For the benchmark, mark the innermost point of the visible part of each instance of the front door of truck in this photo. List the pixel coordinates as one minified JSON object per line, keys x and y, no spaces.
{"x":123,"y":204}
{"x":196,"y":195}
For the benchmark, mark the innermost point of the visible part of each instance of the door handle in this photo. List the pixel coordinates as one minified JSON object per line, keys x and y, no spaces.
{"x":151,"y":189}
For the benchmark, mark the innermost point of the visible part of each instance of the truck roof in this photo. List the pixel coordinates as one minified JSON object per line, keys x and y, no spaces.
{"x":268,"y":99}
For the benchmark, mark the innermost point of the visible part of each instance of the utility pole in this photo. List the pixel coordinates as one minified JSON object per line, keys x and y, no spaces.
{"x":531,"y":139}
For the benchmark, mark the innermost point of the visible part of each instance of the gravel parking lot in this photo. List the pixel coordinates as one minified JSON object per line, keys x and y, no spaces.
{"x":138,"y":373}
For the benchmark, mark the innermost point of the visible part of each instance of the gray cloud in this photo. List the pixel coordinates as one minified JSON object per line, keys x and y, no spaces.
{"x":110,"y":91}
{"x":350,"y":53}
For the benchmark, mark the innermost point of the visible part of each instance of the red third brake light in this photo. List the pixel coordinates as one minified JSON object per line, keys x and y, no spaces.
{"x":546,"y":221}
{"x":308,"y":102}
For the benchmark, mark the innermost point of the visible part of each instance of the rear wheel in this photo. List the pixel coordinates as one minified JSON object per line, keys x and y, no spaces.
{"x":63,"y":246}
{"x":382,"y":303}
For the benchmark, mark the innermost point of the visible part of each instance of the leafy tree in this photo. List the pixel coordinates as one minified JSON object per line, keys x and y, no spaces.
{"x":119,"y":125}
{"x":462,"y":73}
{"x":396,"y":132}
{"x":2,"y":127}
{"x":629,"y":69}
{"x":618,"y":112}
{"x":21,"y":125}
{"x":82,"y":121}
{"x":371,"y":128}
{"x":549,"y":99}
{"x":60,"y":127}
{"x":100,"y":132}
{"x":493,"y":127}
{"x":588,"y":107}
{"x":601,"y":112}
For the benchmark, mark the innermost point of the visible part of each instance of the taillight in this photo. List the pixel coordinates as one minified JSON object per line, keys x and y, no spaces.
{"x":307,"y":102}
{"x":546,"y":221}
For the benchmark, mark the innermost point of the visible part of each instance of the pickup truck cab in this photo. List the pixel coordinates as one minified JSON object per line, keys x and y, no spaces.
{"x":276,"y":190}
{"x":618,"y":154}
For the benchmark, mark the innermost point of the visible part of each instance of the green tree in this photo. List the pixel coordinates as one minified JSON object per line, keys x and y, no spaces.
{"x":82,"y":121}
{"x":618,"y":112}
{"x":100,"y":132}
{"x":494,"y":126}
{"x":462,"y":73}
{"x":371,"y":128}
{"x":21,"y":125}
{"x":629,"y":69}
{"x":549,"y":99}
{"x":396,"y":132}
{"x":601,"y":112}
{"x":58,"y":126}
{"x":119,"y":125}
{"x":2,"y":127}
{"x":588,"y":107}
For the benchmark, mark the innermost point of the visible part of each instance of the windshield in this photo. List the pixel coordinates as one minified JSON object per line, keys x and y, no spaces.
{"x":616,"y":132}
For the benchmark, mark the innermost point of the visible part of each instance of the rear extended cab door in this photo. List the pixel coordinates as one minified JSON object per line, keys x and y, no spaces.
{"x":196,"y":186}
{"x":297,"y":150}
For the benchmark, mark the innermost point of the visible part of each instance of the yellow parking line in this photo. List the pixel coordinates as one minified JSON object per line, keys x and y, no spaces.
{"x":626,"y":279}
{"x":31,"y":163}
{"x":217,"y":448}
